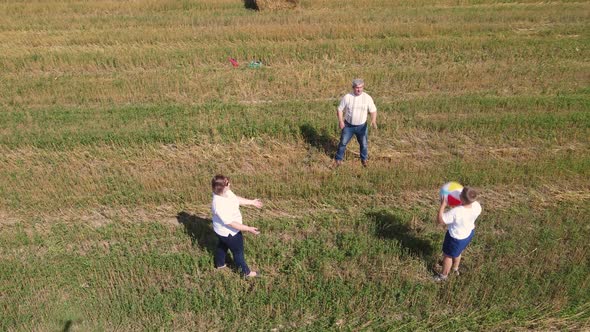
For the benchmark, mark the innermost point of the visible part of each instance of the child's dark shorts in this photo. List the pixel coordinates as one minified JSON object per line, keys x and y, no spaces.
{"x":453,"y":247}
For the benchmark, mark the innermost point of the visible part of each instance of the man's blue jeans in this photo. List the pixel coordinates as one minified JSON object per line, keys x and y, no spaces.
{"x":361,"y":133}
{"x":235,"y":244}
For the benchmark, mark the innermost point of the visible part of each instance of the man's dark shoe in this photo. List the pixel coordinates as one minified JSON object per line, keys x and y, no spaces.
{"x":365,"y":163}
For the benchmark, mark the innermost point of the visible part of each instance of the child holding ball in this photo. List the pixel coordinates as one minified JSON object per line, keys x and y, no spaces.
{"x":461,"y":226}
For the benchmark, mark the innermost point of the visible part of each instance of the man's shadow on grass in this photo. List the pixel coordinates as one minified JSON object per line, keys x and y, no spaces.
{"x":321,"y":141}
{"x":199,"y":230}
{"x":67,"y":326}
{"x":394,"y":227}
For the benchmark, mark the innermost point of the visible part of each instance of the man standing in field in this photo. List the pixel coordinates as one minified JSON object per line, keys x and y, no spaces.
{"x":352,"y":119}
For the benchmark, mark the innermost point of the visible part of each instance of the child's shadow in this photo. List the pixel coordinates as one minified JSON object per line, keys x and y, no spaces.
{"x":391,"y":226}
{"x":199,"y":230}
{"x":322,"y":141}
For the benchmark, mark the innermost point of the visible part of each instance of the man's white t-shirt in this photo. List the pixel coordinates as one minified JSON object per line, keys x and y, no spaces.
{"x":355,"y":108}
{"x":461,"y":220}
{"x":226,"y":210}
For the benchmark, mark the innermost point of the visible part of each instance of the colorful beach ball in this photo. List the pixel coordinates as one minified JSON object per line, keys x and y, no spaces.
{"x":451,"y":191}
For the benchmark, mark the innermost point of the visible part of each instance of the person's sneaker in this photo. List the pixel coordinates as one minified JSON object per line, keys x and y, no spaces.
{"x":456,"y":272}
{"x":439,"y":278}
{"x":337,"y":163}
{"x":365,"y":163}
{"x":252,"y":274}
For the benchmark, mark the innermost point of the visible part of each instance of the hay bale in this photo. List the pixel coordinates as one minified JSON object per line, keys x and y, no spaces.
{"x":271,"y":4}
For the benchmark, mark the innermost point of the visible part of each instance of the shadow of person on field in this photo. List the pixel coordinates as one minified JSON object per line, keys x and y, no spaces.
{"x":394,"y":227}
{"x":199,"y":230}
{"x":322,"y":141}
{"x":67,"y":326}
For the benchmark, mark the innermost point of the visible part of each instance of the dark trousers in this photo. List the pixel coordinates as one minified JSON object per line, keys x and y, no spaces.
{"x":361,"y":132}
{"x":235,"y":244}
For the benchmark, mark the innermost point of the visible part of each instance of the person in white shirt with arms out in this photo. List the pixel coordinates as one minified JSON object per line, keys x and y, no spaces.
{"x":352,"y":120}
{"x":461,"y":228}
{"x":228,"y":226}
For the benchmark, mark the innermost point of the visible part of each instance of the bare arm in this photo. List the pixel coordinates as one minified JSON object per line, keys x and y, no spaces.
{"x":374,"y":119}
{"x":340,"y":119}
{"x":244,"y":228}
{"x":254,"y":202}
{"x":441,"y":211}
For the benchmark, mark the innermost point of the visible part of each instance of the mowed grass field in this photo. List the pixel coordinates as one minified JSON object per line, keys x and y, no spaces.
{"x":114,"y":116}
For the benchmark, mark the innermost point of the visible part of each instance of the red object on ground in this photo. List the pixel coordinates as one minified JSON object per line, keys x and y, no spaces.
{"x":233,"y":62}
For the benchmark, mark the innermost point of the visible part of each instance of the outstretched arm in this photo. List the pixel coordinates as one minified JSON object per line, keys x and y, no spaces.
{"x":254,"y":202}
{"x":244,"y":228}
